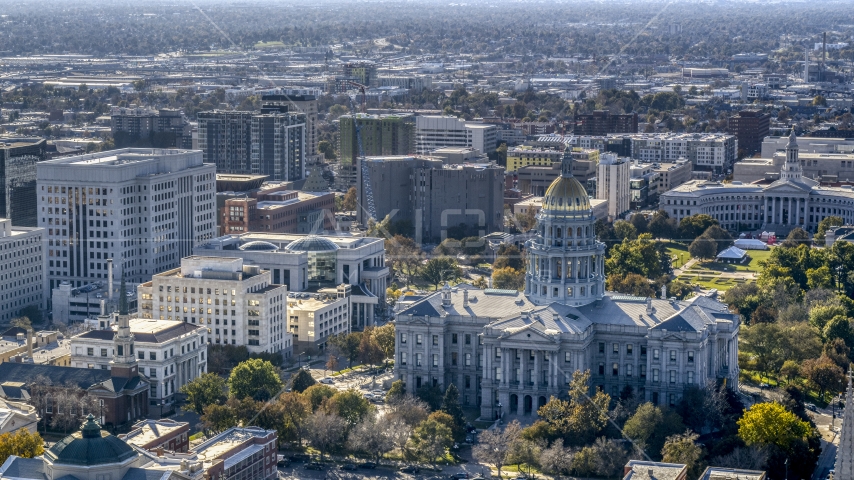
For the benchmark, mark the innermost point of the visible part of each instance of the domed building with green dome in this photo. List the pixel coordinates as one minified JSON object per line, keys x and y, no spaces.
{"x":508,"y":352}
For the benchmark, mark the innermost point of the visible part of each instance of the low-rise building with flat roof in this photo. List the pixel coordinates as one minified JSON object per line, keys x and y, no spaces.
{"x":314,"y":317}
{"x":164,"y":434}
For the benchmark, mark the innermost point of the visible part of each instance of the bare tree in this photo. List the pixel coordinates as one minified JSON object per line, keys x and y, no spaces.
{"x":66,"y":408}
{"x":409,"y":409}
{"x":556,"y":459}
{"x":495,"y":447}
{"x":325,"y":431}
{"x":750,"y":458}
{"x":399,"y":432}
{"x":372,"y":436}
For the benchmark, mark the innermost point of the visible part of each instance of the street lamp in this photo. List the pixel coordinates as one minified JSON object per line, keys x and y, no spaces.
{"x":499,"y":405}
{"x":299,"y":359}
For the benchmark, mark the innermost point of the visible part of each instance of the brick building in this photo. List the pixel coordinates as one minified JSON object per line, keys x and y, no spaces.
{"x":750,"y":127}
{"x":277,"y":209}
{"x":602,"y":122}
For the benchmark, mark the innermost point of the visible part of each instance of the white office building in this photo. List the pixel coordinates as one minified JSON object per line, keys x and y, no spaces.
{"x":791,"y":201}
{"x":169,"y":353}
{"x":613,"y":183}
{"x":238,"y":303}
{"x":21,"y":269}
{"x":435,"y":131}
{"x":714,"y":152}
{"x":307,"y":263}
{"x":144,"y":208}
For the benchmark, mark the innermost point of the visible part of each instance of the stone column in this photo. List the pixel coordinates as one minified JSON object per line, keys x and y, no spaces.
{"x":765,"y":211}
{"x":537,"y":373}
{"x":553,"y":370}
{"x":505,"y":352}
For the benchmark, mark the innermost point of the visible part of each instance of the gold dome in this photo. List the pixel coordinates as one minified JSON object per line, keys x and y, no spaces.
{"x":566,"y":195}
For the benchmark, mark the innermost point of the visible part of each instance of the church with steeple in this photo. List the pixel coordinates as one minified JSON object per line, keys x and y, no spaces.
{"x":508,"y":352}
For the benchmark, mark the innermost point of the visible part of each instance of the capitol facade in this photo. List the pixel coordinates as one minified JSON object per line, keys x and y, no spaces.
{"x":508,"y":352}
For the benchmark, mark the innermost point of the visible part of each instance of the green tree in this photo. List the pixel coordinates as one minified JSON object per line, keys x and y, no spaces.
{"x":384,"y":336}
{"x":839,"y":327}
{"x":631,"y":284}
{"x":821,"y":315}
{"x":508,"y":278}
{"x":650,"y":426}
{"x":703,"y":247}
{"x":625,"y":230}
{"x":295,"y":409}
{"x":350,"y":200}
{"x":350,"y":405}
{"x":254,"y":378}
{"x":796,"y":237}
{"x":693,"y":226}
{"x":824,"y":224}
{"x":508,"y":255}
{"x":440,"y":269}
{"x":337,"y":110}
{"x":431,"y":439}
{"x":218,"y":418}
{"x":790,"y":370}
{"x":396,"y":392}
{"x":348,"y":344}
{"x":642,"y":256}
{"x":683,"y":449}
{"x":581,"y":418}
{"x":317,"y":394}
{"x":765,"y":343}
{"x":205,"y":390}
{"x":820,"y":277}
{"x":370,"y":351}
{"x":451,"y":406}
{"x":824,"y":374}
{"x":770,"y":423}
{"x":661,"y":225}
{"x":302,"y":380}
{"x":21,"y":443}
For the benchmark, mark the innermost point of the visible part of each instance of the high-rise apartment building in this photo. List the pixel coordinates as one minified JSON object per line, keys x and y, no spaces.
{"x":750,"y":127}
{"x":613,"y":183}
{"x":21,"y":263}
{"x":18,"y":159}
{"x":306,"y":105}
{"x":364,"y":73}
{"x":164,"y":128}
{"x":238,"y":303}
{"x":435,"y":131}
{"x":226,"y":140}
{"x":278,"y":144}
{"x":602,"y":122}
{"x":144,"y":208}
{"x":270,"y":143}
{"x":381,"y":135}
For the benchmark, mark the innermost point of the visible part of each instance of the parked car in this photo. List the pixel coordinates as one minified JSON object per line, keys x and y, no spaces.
{"x":281,"y":461}
{"x":764,"y":385}
{"x":409,"y":469}
{"x":368,"y":465}
{"x":460,"y":475}
{"x":811,"y":407}
{"x":348,"y":466}
{"x":300,"y":457}
{"x":313,"y":466}
{"x":327,"y":381}
{"x":368,"y":395}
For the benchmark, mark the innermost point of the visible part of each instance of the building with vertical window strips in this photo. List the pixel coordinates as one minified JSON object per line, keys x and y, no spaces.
{"x":508,"y":352}
{"x":144,"y":208}
{"x":238,"y":303}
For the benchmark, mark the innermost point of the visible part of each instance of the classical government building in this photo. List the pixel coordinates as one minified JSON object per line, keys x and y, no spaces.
{"x":508,"y":352}
{"x":791,"y":201}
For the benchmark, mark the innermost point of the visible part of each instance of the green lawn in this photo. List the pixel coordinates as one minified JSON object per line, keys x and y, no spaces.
{"x":273,"y":44}
{"x":709,"y":282}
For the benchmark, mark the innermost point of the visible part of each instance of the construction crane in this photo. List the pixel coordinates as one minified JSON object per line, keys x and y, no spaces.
{"x":362,"y":89}
{"x":366,"y":175}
